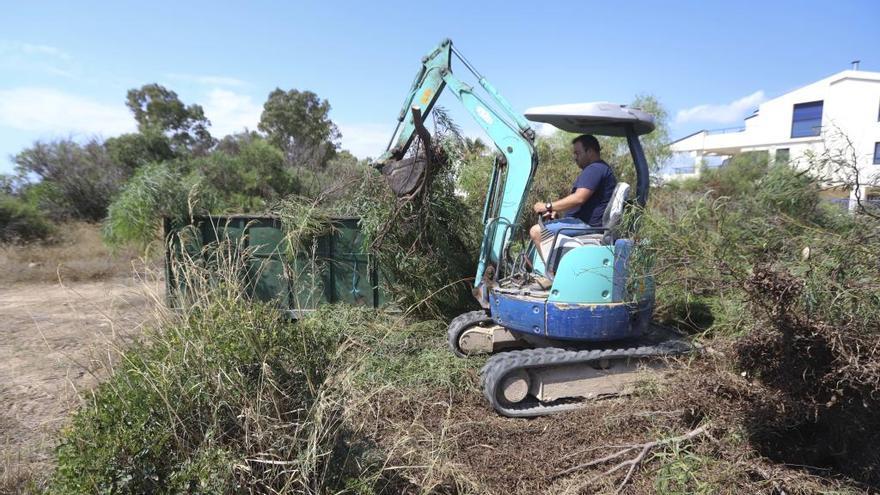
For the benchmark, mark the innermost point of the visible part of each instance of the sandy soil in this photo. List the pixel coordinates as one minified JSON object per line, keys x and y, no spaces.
{"x":55,"y":342}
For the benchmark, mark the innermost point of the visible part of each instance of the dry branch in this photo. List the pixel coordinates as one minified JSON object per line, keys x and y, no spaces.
{"x":632,"y":463}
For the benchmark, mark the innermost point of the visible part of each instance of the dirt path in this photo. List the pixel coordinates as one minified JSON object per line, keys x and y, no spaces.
{"x":53,"y":341}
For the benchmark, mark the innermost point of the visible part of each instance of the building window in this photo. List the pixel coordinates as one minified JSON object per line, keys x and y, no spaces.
{"x":806,"y":119}
{"x":876,"y":153}
{"x":782,"y":155}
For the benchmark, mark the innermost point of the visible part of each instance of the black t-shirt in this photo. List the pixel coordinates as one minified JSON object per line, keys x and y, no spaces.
{"x":599,"y":178}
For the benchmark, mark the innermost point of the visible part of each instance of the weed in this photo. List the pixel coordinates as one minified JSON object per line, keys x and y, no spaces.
{"x":22,"y":222}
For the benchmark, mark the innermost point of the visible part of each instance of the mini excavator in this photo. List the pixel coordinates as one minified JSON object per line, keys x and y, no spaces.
{"x":589,"y":334}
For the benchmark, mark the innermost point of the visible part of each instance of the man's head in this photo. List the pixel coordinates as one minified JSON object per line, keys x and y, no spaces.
{"x":586,"y":150}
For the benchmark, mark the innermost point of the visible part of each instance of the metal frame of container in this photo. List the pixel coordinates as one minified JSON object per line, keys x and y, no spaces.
{"x":274,"y":273}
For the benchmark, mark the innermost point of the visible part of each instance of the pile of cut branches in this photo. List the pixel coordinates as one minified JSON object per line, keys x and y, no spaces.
{"x":750,"y":255}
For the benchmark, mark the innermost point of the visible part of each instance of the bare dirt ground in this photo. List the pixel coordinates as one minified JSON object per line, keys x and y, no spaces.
{"x":56,"y":341}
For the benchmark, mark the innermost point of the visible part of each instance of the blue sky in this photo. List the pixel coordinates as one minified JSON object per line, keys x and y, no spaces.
{"x":65,"y":66}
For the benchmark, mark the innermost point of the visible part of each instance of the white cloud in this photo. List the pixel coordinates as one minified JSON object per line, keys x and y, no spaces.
{"x":231,"y":112}
{"x":365,"y":139}
{"x":13,"y":48}
{"x":726,"y":113}
{"x":50,"y":51}
{"x":19,"y":57}
{"x":51,"y":110}
{"x":207,"y":80}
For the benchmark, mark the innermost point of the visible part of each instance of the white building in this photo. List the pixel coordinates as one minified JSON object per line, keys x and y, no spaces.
{"x":817,"y":118}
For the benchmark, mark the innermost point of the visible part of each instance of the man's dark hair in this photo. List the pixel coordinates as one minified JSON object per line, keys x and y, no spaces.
{"x":588,"y":142}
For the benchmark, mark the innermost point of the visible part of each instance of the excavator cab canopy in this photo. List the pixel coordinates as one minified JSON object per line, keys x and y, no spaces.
{"x":604,"y":119}
{"x":601,"y":118}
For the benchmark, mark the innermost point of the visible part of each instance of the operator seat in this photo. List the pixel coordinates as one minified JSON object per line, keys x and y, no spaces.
{"x":596,"y":236}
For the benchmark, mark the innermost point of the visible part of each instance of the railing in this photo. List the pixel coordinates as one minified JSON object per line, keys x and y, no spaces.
{"x":726,"y":130}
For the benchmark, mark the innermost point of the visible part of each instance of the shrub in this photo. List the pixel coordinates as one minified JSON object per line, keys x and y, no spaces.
{"x":737,"y":177}
{"x":132,"y":151}
{"x":156,"y":191}
{"x":226,"y":396}
{"x":750,"y":253}
{"x":22,"y":222}
{"x":81,"y":180}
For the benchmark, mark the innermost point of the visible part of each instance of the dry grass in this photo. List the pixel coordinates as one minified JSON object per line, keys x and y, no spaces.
{"x":79,"y":255}
{"x":53,"y":336}
{"x":15,"y":479}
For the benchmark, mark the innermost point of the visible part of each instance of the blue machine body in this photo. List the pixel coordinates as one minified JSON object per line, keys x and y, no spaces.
{"x":588,"y":301}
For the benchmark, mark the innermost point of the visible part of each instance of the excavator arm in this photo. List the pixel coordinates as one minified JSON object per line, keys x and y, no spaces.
{"x":509,"y":131}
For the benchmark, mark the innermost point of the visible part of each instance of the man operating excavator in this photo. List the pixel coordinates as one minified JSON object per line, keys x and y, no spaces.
{"x":590,"y":194}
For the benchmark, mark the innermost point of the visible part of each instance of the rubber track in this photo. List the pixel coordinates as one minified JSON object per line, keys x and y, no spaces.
{"x":501,"y":364}
{"x":461,"y":323}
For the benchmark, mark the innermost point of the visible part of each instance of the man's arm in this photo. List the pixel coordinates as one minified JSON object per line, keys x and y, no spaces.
{"x":587,"y":182}
{"x":573,"y":200}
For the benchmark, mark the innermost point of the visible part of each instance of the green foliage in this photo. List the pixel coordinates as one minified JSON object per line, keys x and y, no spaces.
{"x":682,"y":471}
{"x":707,"y":237}
{"x":791,"y":193}
{"x":334,"y":182}
{"x":748,"y":253}
{"x":303,"y":220}
{"x":475,"y":171}
{"x":738,"y":177}
{"x":655,"y":144}
{"x":22,"y":222}
{"x":80,"y":180}
{"x":157,"y":190}
{"x":245,"y":174}
{"x":159,"y":110}
{"x":8,"y":184}
{"x":248,"y":179}
{"x":410,"y":357}
{"x":298,"y":122}
{"x":426,"y":246}
{"x":228,"y":398}
{"x":132,"y":151}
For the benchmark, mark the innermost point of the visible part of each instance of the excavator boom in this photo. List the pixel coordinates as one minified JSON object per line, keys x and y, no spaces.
{"x":510,"y":132}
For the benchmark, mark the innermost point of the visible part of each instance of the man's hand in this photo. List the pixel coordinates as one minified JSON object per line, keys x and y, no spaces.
{"x":539,"y":208}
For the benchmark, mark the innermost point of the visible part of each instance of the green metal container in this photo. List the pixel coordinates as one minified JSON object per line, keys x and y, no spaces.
{"x":333,"y":268}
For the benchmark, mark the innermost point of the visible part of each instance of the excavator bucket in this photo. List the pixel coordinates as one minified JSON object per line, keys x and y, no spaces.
{"x":406,"y":175}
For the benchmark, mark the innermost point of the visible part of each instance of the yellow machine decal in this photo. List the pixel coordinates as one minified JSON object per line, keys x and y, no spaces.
{"x":426,"y":96}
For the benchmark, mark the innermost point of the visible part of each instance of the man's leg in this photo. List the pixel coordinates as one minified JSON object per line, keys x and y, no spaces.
{"x":535,"y":234}
{"x":553,"y":227}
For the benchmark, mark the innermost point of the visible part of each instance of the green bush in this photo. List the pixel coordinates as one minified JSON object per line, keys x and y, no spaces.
{"x":22,"y":222}
{"x":230,"y":398}
{"x":707,"y":236}
{"x":135,"y":150}
{"x":157,"y":190}
{"x":738,"y":177}
{"x":80,"y":179}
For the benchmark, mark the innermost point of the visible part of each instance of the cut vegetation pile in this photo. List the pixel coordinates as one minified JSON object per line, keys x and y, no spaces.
{"x":426,"y":242}
{"x":785,"y":287}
